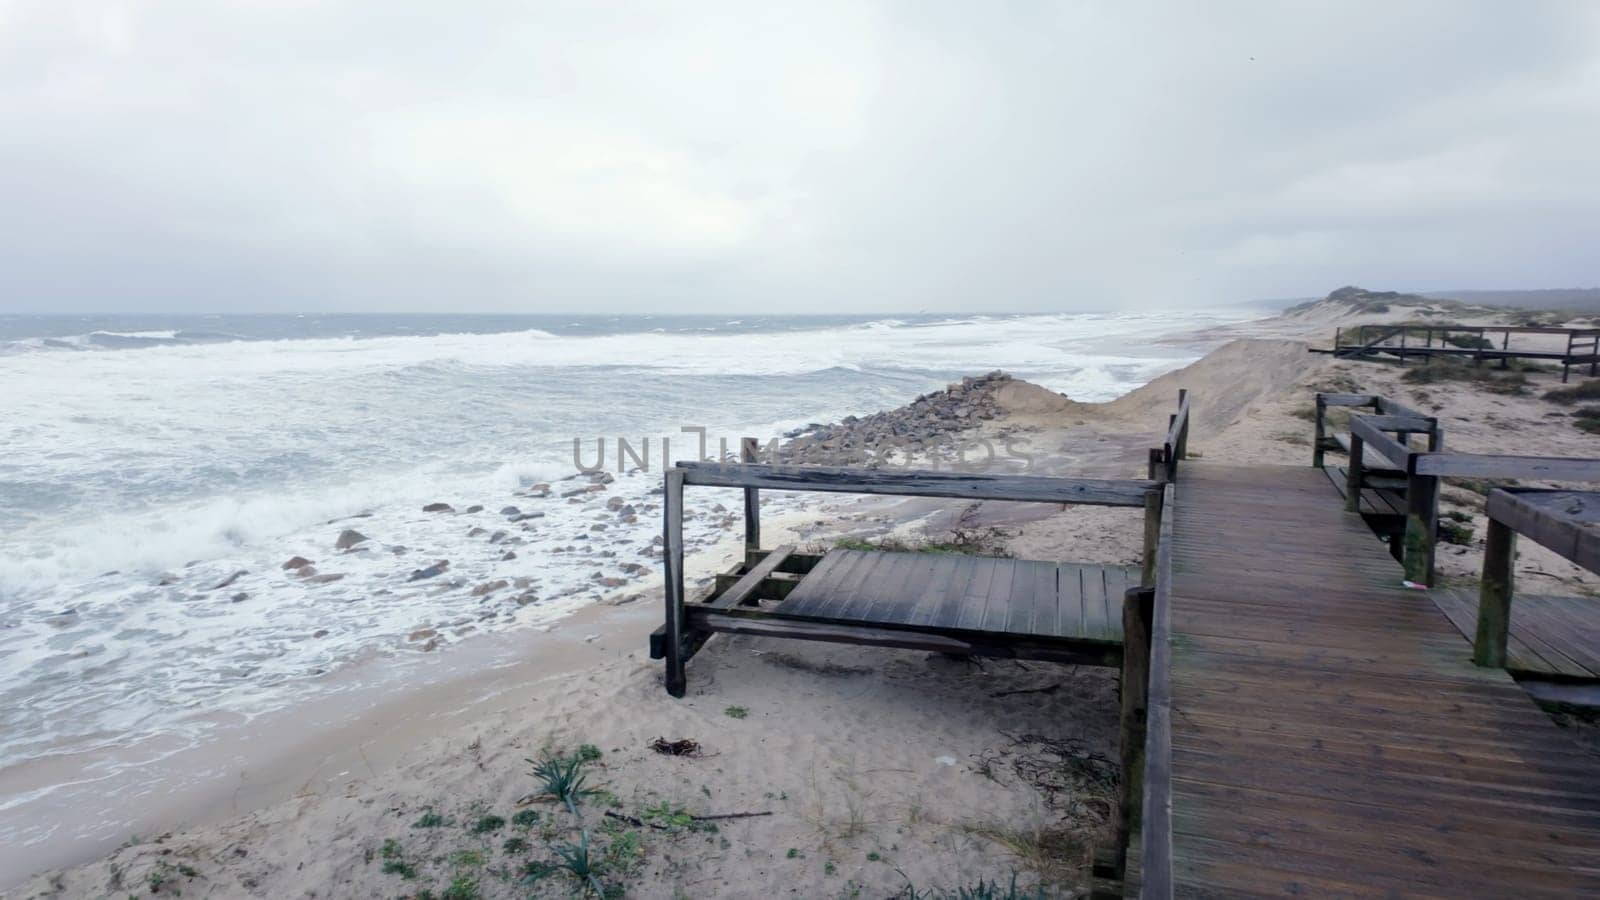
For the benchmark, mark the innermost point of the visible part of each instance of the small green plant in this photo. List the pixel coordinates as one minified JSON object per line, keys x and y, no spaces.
{"x":525,"y":818}
{"x":1455,"y":533}
{"x":736,"y":712}
{"x":399,"y":867}
{"x":561,"y":778}
{"x":462,"y":887}
{"x":624,"y":851}
{"x":514,"y":846}
{"x":1587,"y":418}
{"x":983,"y":890}
{"x":430,"y":819}
{"x":391,"y":849}
{"x":794,"y":852}
{"x":536,"y":870}
{"x":468,"y":858}
{"x":828,"y":868}
{"x":872,"y":856}
{"x":589,"y":753}
{"x":486,"y":824}
{"x":575,"y":859}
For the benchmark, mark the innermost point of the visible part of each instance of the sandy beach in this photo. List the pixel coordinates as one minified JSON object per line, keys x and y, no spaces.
{"x":818,"y":770}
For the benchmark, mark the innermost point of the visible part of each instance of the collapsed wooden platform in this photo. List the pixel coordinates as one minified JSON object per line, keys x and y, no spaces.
{"x":973,"y":605}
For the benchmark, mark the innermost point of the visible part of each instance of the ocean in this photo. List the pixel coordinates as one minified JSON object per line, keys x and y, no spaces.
{"x":159,"y":470}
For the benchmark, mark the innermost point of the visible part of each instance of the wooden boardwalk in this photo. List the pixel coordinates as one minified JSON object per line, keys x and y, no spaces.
{"x":1330,"y":735}
{"x":1001,"y":596}
{"x":1554,"y":637}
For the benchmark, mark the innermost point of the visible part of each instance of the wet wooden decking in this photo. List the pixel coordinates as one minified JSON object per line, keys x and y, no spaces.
{"x":999,"y":596}
{"x":1330,"y":735}
{"x":1554,"y":637}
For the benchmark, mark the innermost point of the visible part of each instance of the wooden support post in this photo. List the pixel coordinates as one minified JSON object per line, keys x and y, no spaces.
{"x":1352,"y":496}
{"x":672,"y":570}
{"x":1494,"y":596}
{"x":1156,"y":468}
{"x":1336,"y":333}
{"x":1316,"y":443}
{"x":752,"y":503}
{"x":1566,"y":358}
{"x":1182,"y":448}
{"x":1138,"y":609}
{"x":1422,"y":527}
{"x":1403,"y":331}
{"x":1152,"y":537}
{"x":1505,"y":345}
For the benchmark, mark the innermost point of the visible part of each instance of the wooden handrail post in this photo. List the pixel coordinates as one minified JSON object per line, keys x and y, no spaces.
{"x":672,"y":571}
{"x":748,"y":448}
{"x":1152,"y":537}
{"x":1138,"y":609}
{"x":1155,"y":469}
{"x":1316,"y":445}
{"x":1352,"y":496}
{"x":1182,"y":449}
{"x":1422,"y":527}
{"x":1494,"y":595}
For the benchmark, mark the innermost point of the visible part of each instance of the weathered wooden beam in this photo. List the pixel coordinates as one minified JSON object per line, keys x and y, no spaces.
{"x":1138,"y":605}
{"x":1395,"y":452}
{"x":1152,"y":537}
{"x":921,"y":483}
{"x":744,"y":589}
{"x":1563,"y":535}
{"x":1352,"y":493}
{"x":744,"y":620}
{"x":774,"y":587}
{"x":1319,"y":441}
{"x":748,"y":450}
{"x":1422,"y":528}
{"x":1489,"y":465}
{"x":1416,"y":424}
{"x":1156,"y":813}
{"x":1494,"y":596}
{"x":672,"y":572}
{"x":1348,"y":399}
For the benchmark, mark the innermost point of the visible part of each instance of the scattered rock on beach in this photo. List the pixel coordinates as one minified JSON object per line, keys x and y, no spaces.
{"x":439,"y":507}
{"x":297,"y":562}
{"x":349,"y":538}
{"x":329,"y":578}
{"x":421,"y":634}
{"x":490,"y":587}
{"x":509,"y":511}
{"x":240,"y":597}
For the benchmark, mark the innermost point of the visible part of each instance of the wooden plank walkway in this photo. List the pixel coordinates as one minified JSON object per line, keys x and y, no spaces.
{"x":1550,"y":636}
{"x":1001,"y":596}
{"x":1330,"y":735}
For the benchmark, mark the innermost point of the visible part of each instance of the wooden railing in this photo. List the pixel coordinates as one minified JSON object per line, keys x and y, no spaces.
{"x":1546,"y":518}
{"x":1583,"y":344}
{"x":1176,"y":445}
{"x":1154,"y":824}
{"x":1421,"y":469}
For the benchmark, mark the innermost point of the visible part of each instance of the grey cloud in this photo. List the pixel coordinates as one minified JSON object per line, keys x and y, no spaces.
{"x":255,"y":155}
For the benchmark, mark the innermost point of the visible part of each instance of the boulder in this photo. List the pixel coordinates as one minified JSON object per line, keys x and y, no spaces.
{"x":349,"y":538}
{"x":509,"y":511}
{"x":297,"y":562}
{"x":475,"y":508}
{"x":421,"y":634}
{"x":615,"y":503}
{"x":439,"y":507}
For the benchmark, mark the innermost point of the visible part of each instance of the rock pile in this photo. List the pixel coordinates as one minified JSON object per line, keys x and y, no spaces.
{"x":922,"y":425}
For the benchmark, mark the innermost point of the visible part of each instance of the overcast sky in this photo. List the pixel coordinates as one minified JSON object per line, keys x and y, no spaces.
{"x":263,"y":155}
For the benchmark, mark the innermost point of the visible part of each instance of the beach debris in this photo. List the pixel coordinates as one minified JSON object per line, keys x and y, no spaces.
{"x":489,"y":587}
{"x":434,"y":570}
{"x":682,"y":747}
{"x":439,"y":507}
{"x":227,"y":581}
{"x":297,"y":562}
{"x":1049,"y":689}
